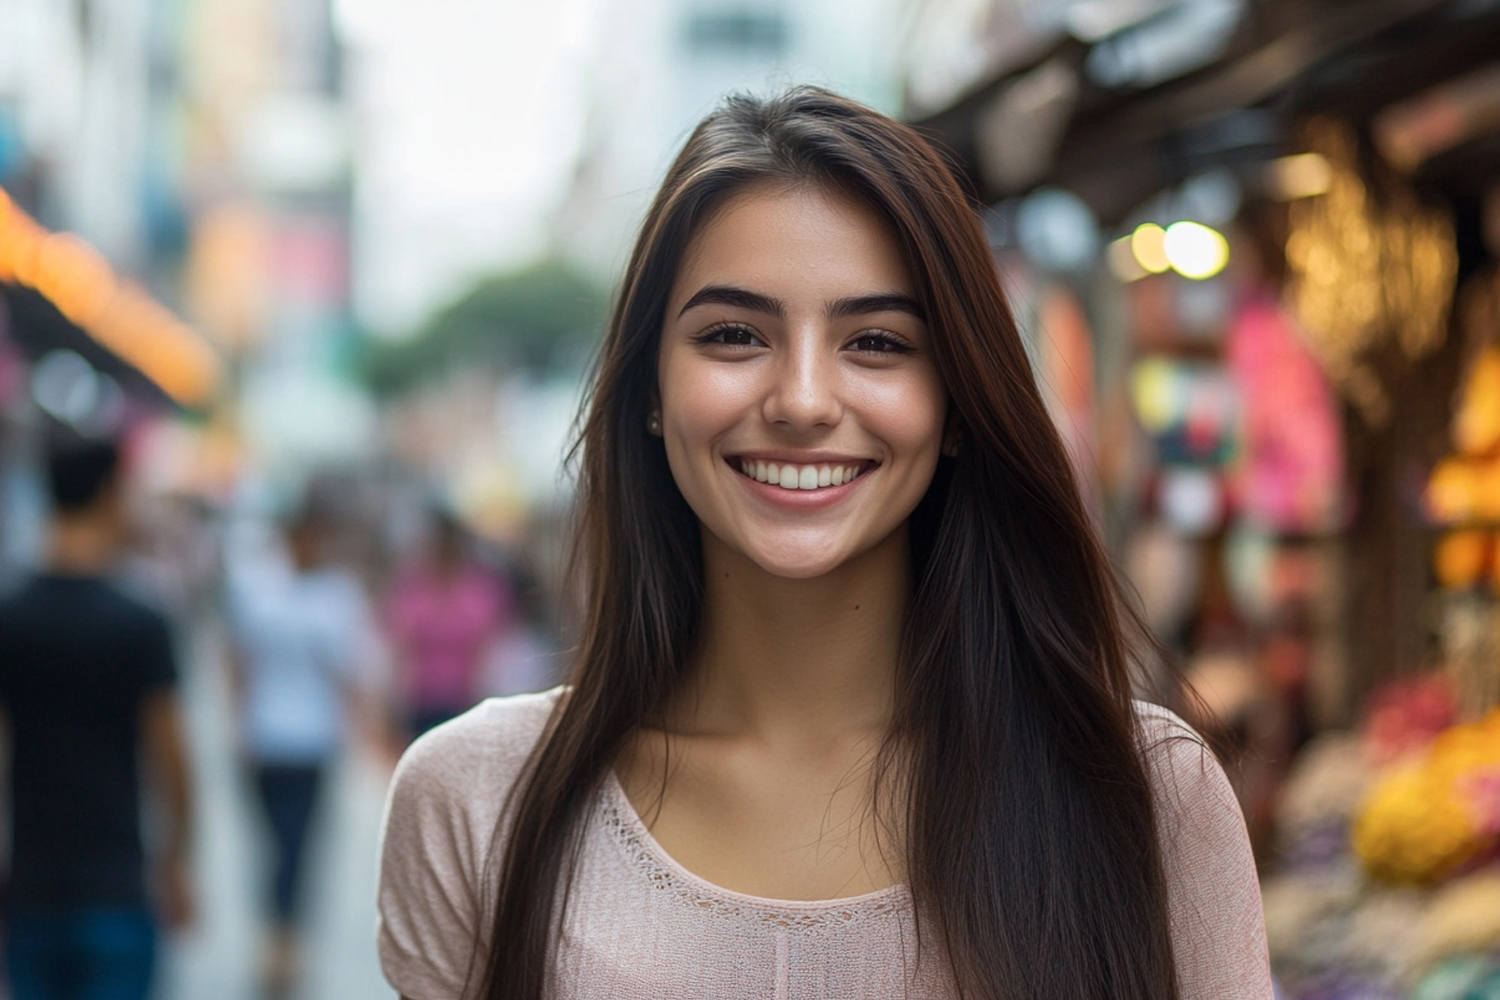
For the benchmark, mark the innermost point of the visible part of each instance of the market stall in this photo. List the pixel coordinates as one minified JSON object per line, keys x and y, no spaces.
{"x":1281,"y":226}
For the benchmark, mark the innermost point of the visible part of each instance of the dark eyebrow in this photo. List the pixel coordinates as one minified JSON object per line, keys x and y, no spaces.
{"x":862,"y":305}
{"x":728,"y":295}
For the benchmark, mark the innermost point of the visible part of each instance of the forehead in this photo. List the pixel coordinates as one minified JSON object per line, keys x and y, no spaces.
{"x":794,"y":241}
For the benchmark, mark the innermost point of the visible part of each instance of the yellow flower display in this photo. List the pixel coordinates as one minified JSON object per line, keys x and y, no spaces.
{"x":1427,"y":817}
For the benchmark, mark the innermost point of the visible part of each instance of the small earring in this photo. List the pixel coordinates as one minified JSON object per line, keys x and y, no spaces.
{"x":653,"y":424}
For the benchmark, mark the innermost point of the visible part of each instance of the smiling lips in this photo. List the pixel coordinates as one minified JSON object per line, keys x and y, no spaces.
{"x":800,"y":477}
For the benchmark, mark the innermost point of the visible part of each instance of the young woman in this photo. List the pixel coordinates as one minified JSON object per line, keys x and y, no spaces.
{"x":851,"y":714}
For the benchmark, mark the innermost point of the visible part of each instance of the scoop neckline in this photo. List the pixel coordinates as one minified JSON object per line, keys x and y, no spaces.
{"x":637,"y":829}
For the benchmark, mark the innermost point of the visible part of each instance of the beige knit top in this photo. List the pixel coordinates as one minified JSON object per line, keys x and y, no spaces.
{"x":638,"y":925}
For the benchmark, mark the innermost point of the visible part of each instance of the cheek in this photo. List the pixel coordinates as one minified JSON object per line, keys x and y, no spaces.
{"x":704,"y":399}
{"x":907,"y":414}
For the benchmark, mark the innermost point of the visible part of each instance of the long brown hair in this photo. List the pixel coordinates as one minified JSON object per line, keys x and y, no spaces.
{"x":1030,"y":835}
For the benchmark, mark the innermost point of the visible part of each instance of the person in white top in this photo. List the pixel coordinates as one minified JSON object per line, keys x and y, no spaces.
{"x":851,"y":711}
{"x":303,"y":651}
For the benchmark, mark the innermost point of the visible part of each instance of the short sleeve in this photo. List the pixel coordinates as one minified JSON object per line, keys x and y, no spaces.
{"x":440,"y":824}
{"x":1218,"y":926}
{"x":429,"y":909}
{"x":157,"y":654}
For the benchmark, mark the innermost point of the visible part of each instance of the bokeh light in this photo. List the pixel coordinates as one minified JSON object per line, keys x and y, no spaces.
{"x":1194,"y":250}
{"x":1149,"y":246}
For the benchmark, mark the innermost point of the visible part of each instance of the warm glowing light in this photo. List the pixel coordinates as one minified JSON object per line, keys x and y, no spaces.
{"x":1303,"y":175}
{"x":77,"y":279}
{"x":1122,"y":262}
{"x":20,"y":244}
{"x":1194,"y":250}
{"x":1364,"y":271}
{"x":1148,"y":246}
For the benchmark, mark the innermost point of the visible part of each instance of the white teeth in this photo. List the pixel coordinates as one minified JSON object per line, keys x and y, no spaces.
{"x":799,"y":477}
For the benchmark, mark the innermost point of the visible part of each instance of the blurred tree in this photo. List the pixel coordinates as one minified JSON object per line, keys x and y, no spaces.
{"x":531,"y":318}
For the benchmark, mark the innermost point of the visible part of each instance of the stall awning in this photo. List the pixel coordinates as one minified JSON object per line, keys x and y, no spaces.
{"x":1116,"y":135}
{"x":60,"y":289}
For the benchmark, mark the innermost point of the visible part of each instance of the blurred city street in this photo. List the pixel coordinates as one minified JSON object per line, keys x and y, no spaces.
{"x":298,"y":304}
{"x":219,"y":957}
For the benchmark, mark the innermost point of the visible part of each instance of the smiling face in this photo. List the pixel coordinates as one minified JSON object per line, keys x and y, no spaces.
{"x":801,"y":408}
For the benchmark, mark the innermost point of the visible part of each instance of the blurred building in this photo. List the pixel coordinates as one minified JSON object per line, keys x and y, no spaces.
{"x":662,"y":64}
{"x":80,"y":105}
{"x":268,"y":174}
{"x":91,"y":225}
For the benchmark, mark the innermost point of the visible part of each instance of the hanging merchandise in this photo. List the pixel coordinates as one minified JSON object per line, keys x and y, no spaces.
{"x":1293,"y":462}
{"x":1188,"y":409}
{"x":1463,"y":498}
{"x":1366,"y":271}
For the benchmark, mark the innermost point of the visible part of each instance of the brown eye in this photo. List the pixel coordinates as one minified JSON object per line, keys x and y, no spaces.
{"x":879,"y":343}
{"x":730,"y":335}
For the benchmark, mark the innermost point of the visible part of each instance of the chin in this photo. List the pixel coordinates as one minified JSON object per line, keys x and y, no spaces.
{"x":798,"y":565}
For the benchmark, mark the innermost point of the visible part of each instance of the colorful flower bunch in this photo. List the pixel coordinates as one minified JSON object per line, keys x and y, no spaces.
{"x":1405,"y":716}
{"x":1436,"y":813}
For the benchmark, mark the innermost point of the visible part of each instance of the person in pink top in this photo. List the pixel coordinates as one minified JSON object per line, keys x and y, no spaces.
{"x":442,"y":614}
{"x":850,"y":712}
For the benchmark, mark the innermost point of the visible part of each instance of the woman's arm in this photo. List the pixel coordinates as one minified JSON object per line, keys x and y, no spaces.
{"x":439,"y":832}
{"x":1218,"y":927}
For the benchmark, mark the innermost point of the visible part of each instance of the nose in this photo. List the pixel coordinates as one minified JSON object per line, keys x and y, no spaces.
{"x":805,"y":392}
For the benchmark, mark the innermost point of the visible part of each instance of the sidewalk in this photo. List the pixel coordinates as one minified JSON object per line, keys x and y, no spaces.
{"x":217,"y":960}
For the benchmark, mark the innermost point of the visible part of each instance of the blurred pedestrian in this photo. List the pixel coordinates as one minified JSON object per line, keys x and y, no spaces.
{"x":88,"y":686}
{"x":303,"y":656}
{"x":443,"y":613}
{"x":525,"y":657}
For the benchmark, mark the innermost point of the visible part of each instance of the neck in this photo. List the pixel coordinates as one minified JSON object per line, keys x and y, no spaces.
{"x":797,"y":658}
{"x":82,"y":544}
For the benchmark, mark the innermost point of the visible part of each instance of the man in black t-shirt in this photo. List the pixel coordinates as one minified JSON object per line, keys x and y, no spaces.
{"x":88,"y":695}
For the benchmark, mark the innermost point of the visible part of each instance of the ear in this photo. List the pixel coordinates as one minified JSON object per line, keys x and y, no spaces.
{"x":653,"y":415}
{"x":953,"y":435}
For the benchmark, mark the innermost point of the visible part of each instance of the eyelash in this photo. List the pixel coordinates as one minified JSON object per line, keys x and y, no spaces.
{"x":888,"y":343}
{"x":715,"y":334}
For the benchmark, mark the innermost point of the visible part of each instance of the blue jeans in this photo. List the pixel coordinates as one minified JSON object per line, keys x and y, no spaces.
{"x":91,"y":953}
{"x":288,"y":793}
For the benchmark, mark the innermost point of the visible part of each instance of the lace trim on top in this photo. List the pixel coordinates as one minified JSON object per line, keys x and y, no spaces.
{"x":663,"y":874}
